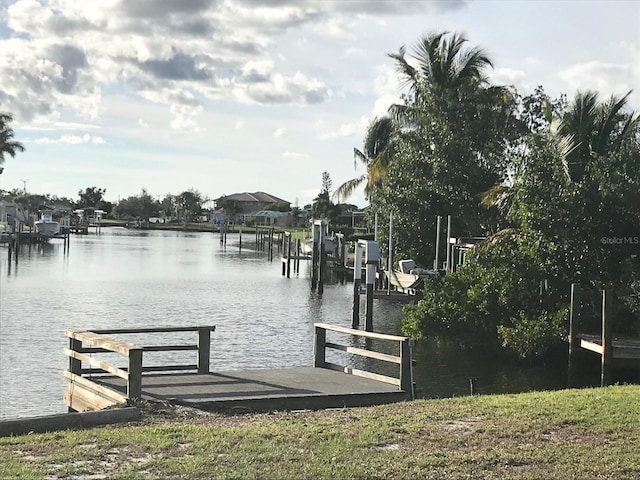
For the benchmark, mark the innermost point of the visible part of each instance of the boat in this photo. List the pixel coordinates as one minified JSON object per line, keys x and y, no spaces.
{"x":306,"y":247}
{"x":408,"y":277}
{"x":47,"y":226}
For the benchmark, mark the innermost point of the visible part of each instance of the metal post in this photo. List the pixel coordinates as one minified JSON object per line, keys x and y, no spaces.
{"x":449,"y":243}
{"x":437,"y":259}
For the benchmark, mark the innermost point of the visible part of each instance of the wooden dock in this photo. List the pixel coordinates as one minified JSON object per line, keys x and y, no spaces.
{"x":324,"y":385}
{"x":610,"y":347}
{"x":264,"y":389}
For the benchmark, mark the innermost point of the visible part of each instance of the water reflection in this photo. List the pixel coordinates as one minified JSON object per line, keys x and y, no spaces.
{"x":127,"y":278}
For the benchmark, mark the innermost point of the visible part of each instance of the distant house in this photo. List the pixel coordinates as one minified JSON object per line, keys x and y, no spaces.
{"x":10,"y":213}
{"x":243,"y":206}
{"x":271,"y":218}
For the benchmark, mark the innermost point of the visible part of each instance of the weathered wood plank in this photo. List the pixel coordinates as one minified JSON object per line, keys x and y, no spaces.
{"x":362,"y":373}
{"x":591,"y":346}
{"x":68,"y":421}
{"x":364,"y":353}
{"x":83,"y":399}
{"x":360,"y":333}
{"x":111,"y":344}
{"x":211,"y":328}
{"x":104,"y":391}
{"x":94,"y":362}
{"x":169,"y":348}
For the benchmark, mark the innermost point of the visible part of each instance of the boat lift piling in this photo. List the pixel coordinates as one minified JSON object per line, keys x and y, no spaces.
{"x":371,"y":260}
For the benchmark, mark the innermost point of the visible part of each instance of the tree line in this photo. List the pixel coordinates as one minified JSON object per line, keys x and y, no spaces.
{"x":553,"y":185}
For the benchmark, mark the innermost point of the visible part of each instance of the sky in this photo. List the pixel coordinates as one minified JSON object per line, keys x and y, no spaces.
{"x":229,"y":96}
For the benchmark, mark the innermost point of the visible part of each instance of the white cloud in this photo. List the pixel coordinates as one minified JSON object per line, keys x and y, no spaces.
{"x":325,"y":131}
{"x":296,"y":156}
{"x":73,"y":140}
{"x":606,"y":78}
{"x":239,"y":125}
{"x":279,"y":132}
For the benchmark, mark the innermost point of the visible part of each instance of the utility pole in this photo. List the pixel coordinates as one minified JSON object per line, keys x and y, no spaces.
{"x":24,"y":185}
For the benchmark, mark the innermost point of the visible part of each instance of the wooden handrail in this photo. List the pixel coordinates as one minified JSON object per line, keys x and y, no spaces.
{"x":132,"y":374}
{"x":405,"y":380}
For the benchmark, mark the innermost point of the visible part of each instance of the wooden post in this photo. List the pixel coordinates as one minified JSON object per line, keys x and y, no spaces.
{"x":370,"y":279}
{"x":390,"y":254}
{"x":204,"y":349}
{"x":270,"y":244}
{"x":288,"y":252}
{"x":322,"y":264}
{"x":319,"y":347}
{"x":406,"y":382}
{"x":449,"y":244}
{"x":134,"y":382}
{"x":314,"y":264}
{"x":436,"y":262}
{"x":75,"y":365}
{"x":357,"y":278}
{"x":574,"y":315}
{"x":240,"y":241}
{"x":605,"y":371}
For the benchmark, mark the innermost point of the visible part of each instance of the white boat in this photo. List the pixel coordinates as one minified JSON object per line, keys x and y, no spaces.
{"x":47,"y":226}
{"x":409,"y":277}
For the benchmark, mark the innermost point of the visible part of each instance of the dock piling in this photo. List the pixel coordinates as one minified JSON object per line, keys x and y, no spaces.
{"x":605,"y":373}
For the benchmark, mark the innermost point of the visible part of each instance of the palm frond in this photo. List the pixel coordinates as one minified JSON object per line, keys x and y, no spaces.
{"x":345,"y":190}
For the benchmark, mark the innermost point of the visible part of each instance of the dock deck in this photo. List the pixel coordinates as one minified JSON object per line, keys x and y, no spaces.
{"x":264,"y":389}
{"x":622,"y":347}
{"x":325,"y":385}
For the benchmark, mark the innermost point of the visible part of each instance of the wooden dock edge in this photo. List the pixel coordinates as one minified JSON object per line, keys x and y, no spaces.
{"x":68,"y":421}
{"x":297,"y":402}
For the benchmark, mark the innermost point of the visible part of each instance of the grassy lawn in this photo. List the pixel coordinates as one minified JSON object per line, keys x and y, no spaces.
{"x":591,"y":433}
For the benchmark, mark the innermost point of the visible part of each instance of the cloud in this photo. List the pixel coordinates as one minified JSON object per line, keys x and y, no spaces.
{"x":606,"y":78}
{"x":179,"y":67}
{"x":325,"y":132}
{"x":297,"y":88}
{"x":296,"y":156}
{"x":279,"y":132}
{"x":62,"y":55}
{"x":73,"y":139}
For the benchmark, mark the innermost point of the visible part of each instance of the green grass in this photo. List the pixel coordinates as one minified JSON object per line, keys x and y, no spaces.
{"x":591,"y":433}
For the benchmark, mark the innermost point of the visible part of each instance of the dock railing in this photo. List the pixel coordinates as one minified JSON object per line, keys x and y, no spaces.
{"x":83,"y":393}
{"x":404,"y":381}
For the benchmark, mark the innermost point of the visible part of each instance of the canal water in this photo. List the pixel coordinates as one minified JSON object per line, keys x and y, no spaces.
{"x":131,"y":278}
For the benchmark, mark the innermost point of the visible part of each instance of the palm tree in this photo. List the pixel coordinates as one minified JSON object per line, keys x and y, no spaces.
{"x":8,"y":146}
{"x":443,"y":65}
{"x":590,"y":129}
{"x":377,"y":154}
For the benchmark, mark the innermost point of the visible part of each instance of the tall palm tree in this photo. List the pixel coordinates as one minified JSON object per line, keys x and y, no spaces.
{"x":8,"y":146}
{"x":378,"y":151}
{"x":443,"y":64}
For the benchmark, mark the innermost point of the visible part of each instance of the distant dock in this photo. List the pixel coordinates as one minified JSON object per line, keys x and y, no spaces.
{"x":100,"y":384}
{"x":610,"y":347}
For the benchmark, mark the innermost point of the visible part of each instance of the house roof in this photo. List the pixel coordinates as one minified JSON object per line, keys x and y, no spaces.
{"x":269,"y":214}
{"x":257,"y":197}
